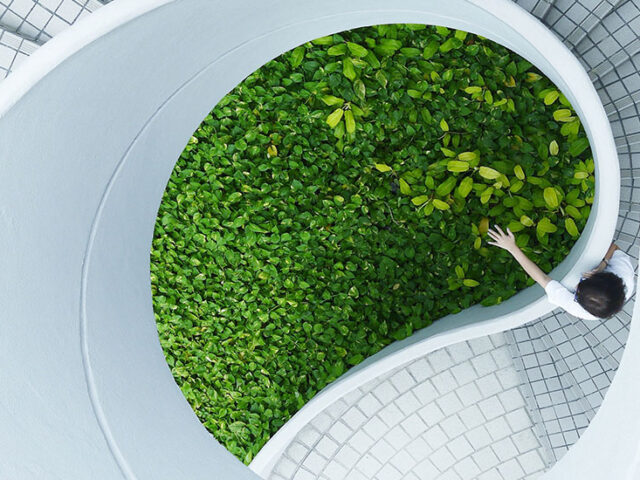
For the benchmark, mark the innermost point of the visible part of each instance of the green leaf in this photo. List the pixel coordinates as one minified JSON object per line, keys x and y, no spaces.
{"x":357,"y":50}
{"x":337,"y":50}
{"x":457,"y":166}
{"x":573,"y":211}
{"x":526,"y":221}
{"x":465,"y":187}
{"x":347,"y":69}
{"x":519,"y":172}
{"x":335,"y":117}
{"x":450,"y":44}
{"x":468,"y":156}
{"x":405,"y":189}
{"x":553,"y":148}
{"x":331,"y":100}
{"x":328,"y":40}
{"x":562,"y":114}
{"x":448,"y":153}
{"x":444,"y":125}
{"x":349,"y":121}
{"x":381,"y":78}
{"x":440,"y":205}
{"x":570,"y":227}
{"x":545,"y":226}
{"x":489,"y":173}
{"x":419,"y":200}
{"x":551,"y":197}
{"x":473,"y":89}
{"x":297,"y":56}
{"x":551,"y":97}
{"x":430,"y":49}
{"x":381,"y":167}
{"x":578,"y":146}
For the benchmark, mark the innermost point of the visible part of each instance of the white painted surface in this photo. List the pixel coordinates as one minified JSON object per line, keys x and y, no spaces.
{"x":90,"y":127}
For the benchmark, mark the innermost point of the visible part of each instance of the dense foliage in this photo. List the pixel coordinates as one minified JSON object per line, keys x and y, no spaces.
{"x":338,"y":199}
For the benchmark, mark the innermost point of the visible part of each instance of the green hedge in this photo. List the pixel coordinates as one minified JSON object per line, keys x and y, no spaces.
{"x":337,"y":200}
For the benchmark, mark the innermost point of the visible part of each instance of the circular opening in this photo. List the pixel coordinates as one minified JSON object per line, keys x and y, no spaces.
{"x":339,"y":199}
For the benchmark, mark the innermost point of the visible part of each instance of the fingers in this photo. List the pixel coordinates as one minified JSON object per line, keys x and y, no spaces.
{"x":493,"y":243}
{"x":497,"y":227}
{"x":510,"y":233}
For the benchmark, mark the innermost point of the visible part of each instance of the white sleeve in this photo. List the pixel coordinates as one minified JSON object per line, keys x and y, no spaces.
{"x":561,"y":296}
{"x":620,"y":265}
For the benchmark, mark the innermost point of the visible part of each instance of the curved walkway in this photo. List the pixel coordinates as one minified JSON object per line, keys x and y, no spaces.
{"x":456,"y":413}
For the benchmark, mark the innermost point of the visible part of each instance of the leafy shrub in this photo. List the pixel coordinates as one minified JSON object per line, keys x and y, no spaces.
{"x":337,"y":200}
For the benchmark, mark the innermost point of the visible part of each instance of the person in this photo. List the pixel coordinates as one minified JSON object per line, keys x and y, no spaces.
{"x":599,"y":294}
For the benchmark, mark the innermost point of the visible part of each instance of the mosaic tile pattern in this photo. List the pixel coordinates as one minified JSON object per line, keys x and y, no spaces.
{"x":40,"y":20}
{"x":456,"y":413}
{"x":13,"y":50}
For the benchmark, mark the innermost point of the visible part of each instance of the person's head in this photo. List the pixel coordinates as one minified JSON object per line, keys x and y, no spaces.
{"x":601,"y":294}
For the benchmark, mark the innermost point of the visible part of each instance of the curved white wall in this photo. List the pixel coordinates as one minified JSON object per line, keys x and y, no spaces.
{"x":90,"y":128}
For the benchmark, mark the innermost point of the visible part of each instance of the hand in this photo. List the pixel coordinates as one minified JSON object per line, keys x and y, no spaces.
{"x":503,"y":240}
{"x":599,"y":268}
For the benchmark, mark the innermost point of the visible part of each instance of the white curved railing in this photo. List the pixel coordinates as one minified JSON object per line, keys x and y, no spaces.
{"x":90,"y":128}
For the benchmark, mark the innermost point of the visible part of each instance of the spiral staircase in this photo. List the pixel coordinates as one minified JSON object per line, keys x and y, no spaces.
{"x":515,"y":402}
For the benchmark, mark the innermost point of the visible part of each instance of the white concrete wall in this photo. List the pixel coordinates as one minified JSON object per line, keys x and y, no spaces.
{"x":90,"y":128}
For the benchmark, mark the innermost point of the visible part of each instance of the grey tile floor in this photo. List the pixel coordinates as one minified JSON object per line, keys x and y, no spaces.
{"x":456,"y":413}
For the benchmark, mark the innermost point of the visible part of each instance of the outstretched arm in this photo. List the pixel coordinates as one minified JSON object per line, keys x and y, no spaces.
{"x":508,"y":242}
{"x":605,"y":261}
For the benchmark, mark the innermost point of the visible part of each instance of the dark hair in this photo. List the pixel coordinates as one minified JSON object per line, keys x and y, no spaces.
{"x":602,"y":294}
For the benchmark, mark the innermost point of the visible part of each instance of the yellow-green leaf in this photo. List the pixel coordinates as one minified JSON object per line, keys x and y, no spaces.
{"x":467,"y":156}
{"x":581,"y":175}
{"x":477,"y":243}
{"x":348,"y":70}
{"x":573,"y":211}
{"x":459,"y":271}
{"x":488,"y":97}
{"x":551,"y":97}
{"x":357,"y":50}
{"x":331,"y":100}
{"x":381,"y":167}
{"x":469,"y":282}
{"x":519,"y":172}
{"x":466,"y":185}
{"x":561,"y":114}
{"x":444,"y":125}
{"x":336,"y":50}
{"x":570,"y":227}
{"x":489,"y":173}
{"x":516,"y":186}
{"x":419,"y":200}
{"x":440,"y":205}
{"x":551,"y":197}
{"x":349,"y":121}
{"x":483,"y":226}
{"x":404,"y":187}
{"x":485,"y":196}
{"x":272,"y":150}
{"x":473,"y":89}
{"x":553,"y":148}
{"x":334,"y":117}
{"x":447,"y":152}
{"x":526,"y":221}
{"x":457,"y":166}
{"x":545,"y":226}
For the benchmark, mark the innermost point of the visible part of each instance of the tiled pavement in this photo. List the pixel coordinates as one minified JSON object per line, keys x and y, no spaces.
{"x":455,"y":414}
